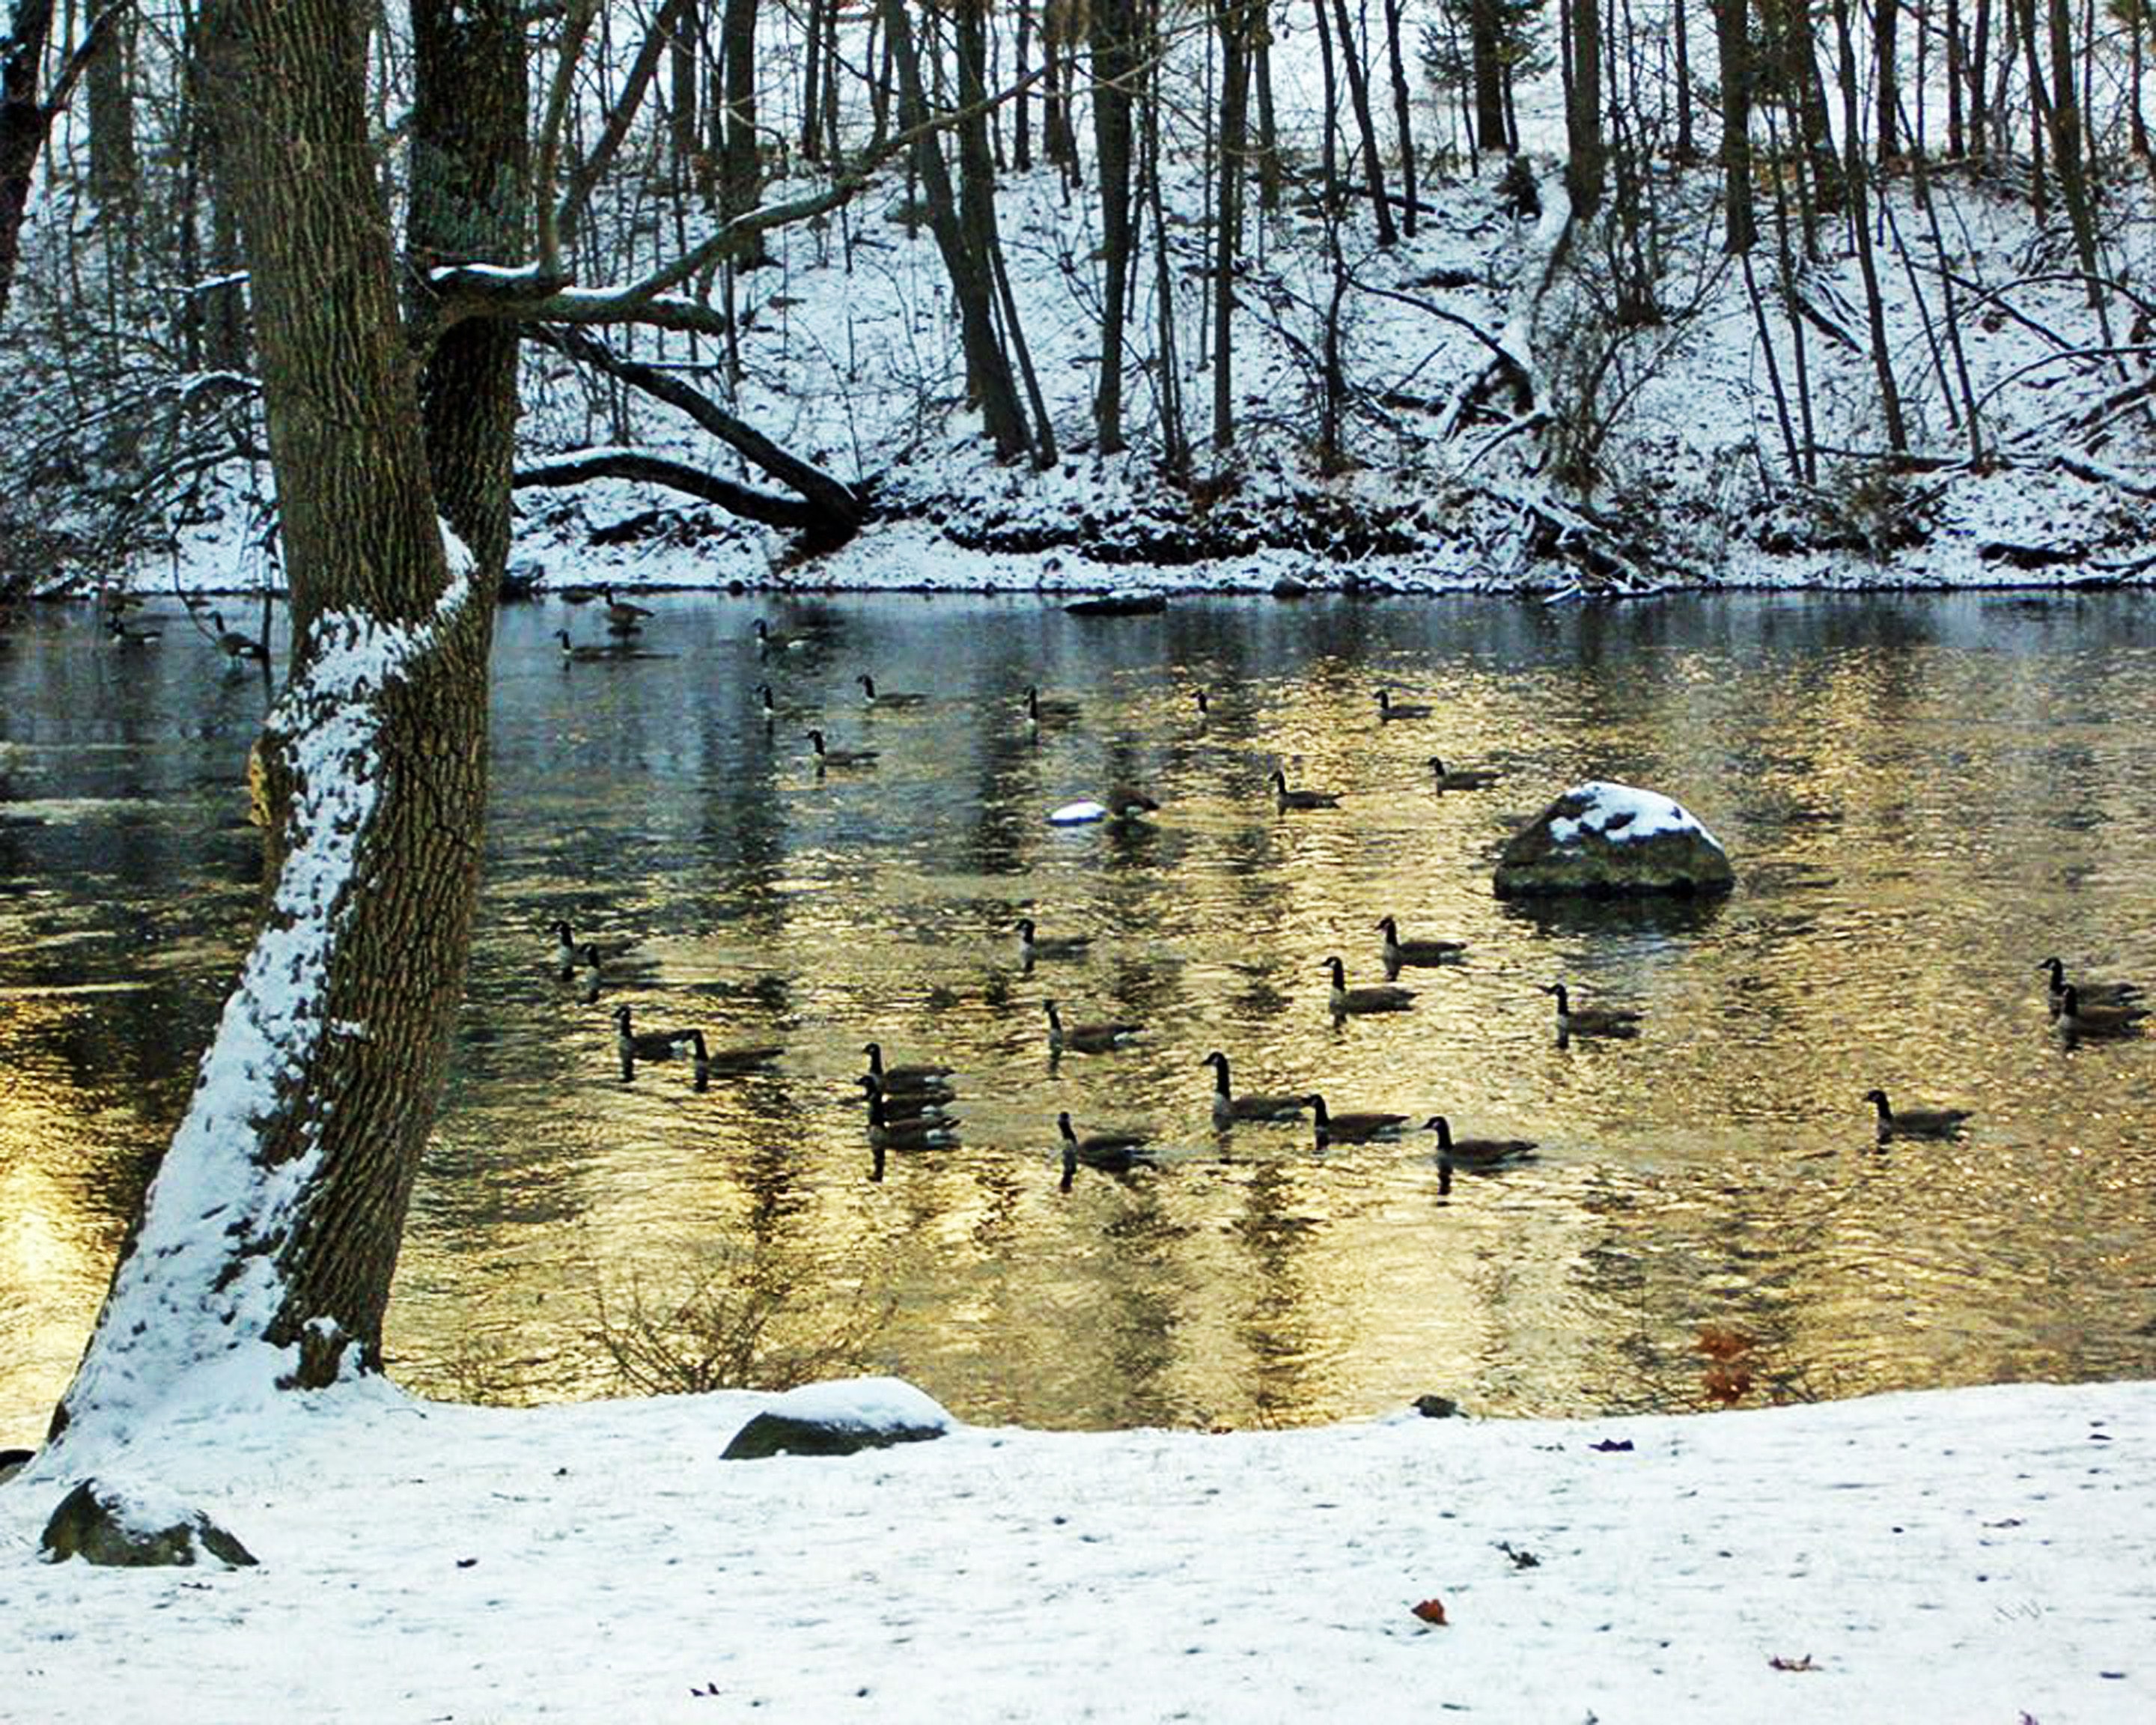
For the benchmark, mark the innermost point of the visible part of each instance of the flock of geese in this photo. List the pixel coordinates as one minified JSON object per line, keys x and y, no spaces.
{"x":911,"y":1106}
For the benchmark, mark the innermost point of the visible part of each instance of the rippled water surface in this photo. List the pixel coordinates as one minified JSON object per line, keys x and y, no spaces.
{"x":1923,"y":797}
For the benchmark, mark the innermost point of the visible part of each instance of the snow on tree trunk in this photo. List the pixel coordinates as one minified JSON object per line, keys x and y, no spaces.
{"x":264,"y":1249}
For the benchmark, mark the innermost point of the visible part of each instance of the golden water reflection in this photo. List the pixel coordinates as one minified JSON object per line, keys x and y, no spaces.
{"x":1923,"y":797}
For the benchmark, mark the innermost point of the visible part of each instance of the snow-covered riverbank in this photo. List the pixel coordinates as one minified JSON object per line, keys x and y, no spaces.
{"x":1968,"y":1555}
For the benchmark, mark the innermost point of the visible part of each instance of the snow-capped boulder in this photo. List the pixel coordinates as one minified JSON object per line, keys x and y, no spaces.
{"x":839,"y":1419}
{"x":136,"y":1526}
{"x":1606,"y":839}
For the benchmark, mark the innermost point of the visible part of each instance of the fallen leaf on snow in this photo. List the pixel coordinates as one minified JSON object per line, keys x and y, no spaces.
{"x":1431,"y":1611}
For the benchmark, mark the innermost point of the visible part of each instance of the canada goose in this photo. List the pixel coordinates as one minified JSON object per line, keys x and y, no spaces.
{"x":1033,"y":945}
{"x":580,"y":655}
{"x":1351,"y":1128}
{"x":1228,"y":1108}
{"x":896,"y":1080}
{"x":1459,"y":779}
{"x":2090,"y":993}
{"x":235,"y":645}
{"x":1097,"y":1037}
{"x":1204,"y":702}
{"x":623,"y":630}
{"x":1042,"y":711}
{"x":727,"y":1062}
{"x":839,"y":757}
{"x":123,"y":633}
{"x":2076,"y":1018}
{"x":1400,"y":953}
{"x":578,"y":593}
{"x":1284,"y":799}
{"x":1475,"y":1152}
{"x":926,"y":1104}
{"x":1915,"y":1122}
{"x":1388,"y":708}
{"x":1098,"y":1149}
{"x":918,"y":1133}
{"x":622,"y":613}
{"x":579,"y":964}
{"x":572,"y":955}
{"x":887,"y":698}
{"x":1589,"y":1021}
{"x":769,"y":641}
{"x":632,"y":1044}
{"x":1111,"y":1152}
{"x":1381,"y":996}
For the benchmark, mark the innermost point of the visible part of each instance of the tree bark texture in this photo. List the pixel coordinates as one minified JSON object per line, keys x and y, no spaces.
{"x":278,"y":1212}
{"x":470,"y":204}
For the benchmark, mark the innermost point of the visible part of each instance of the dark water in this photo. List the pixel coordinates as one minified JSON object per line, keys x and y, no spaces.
{"x":1923,"y":798}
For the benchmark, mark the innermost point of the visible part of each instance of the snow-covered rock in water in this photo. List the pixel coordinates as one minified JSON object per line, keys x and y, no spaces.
{"x":839,"y":1419}
{"x":136,"y":1526}
{"x":1600,"y":838}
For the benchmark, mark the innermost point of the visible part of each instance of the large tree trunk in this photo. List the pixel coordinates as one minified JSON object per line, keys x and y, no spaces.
{"x":268,"y":1240}
{"x":470,"y":204}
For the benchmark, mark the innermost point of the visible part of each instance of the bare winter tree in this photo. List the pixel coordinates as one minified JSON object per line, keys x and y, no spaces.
{"x":267,"y":1241}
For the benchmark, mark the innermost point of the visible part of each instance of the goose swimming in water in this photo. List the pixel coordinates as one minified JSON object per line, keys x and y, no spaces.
{"x":1388,"y":708}
{"x":1285,"y":799}
{"x":1916,"y":1123}
{"x":1381,"y":996}
{"x":925,"y":1105}
{"x":1033,"y":945}
{"x":1459,"y":779}
{"x":233,"y":645}
{"x":1589,"y":1021}
{"x":1111,"y":1152}
{"x":1228,"y":1107}
{"x":1399,"y":954}
{"x":1352,"y":1127}
{"x":2077,"y":1019}
{"x":577,"y":653}
{"x":1095,"y":1038}
{"x":1044,"y":712}
{"x":920,"y":1133}
{"x":727,"y":1062}
{"x":1476,"y":1153}
{"x":841,"y":758}
{"x":768,"y":641}
{"x":887,"y":698}
{"x":632,"y":1044}
{"x":896,"y":1080}
{"x":2089,"y":993}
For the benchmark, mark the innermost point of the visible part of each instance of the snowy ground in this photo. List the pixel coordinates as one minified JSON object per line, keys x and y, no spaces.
{"x":1985,"y":1555}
